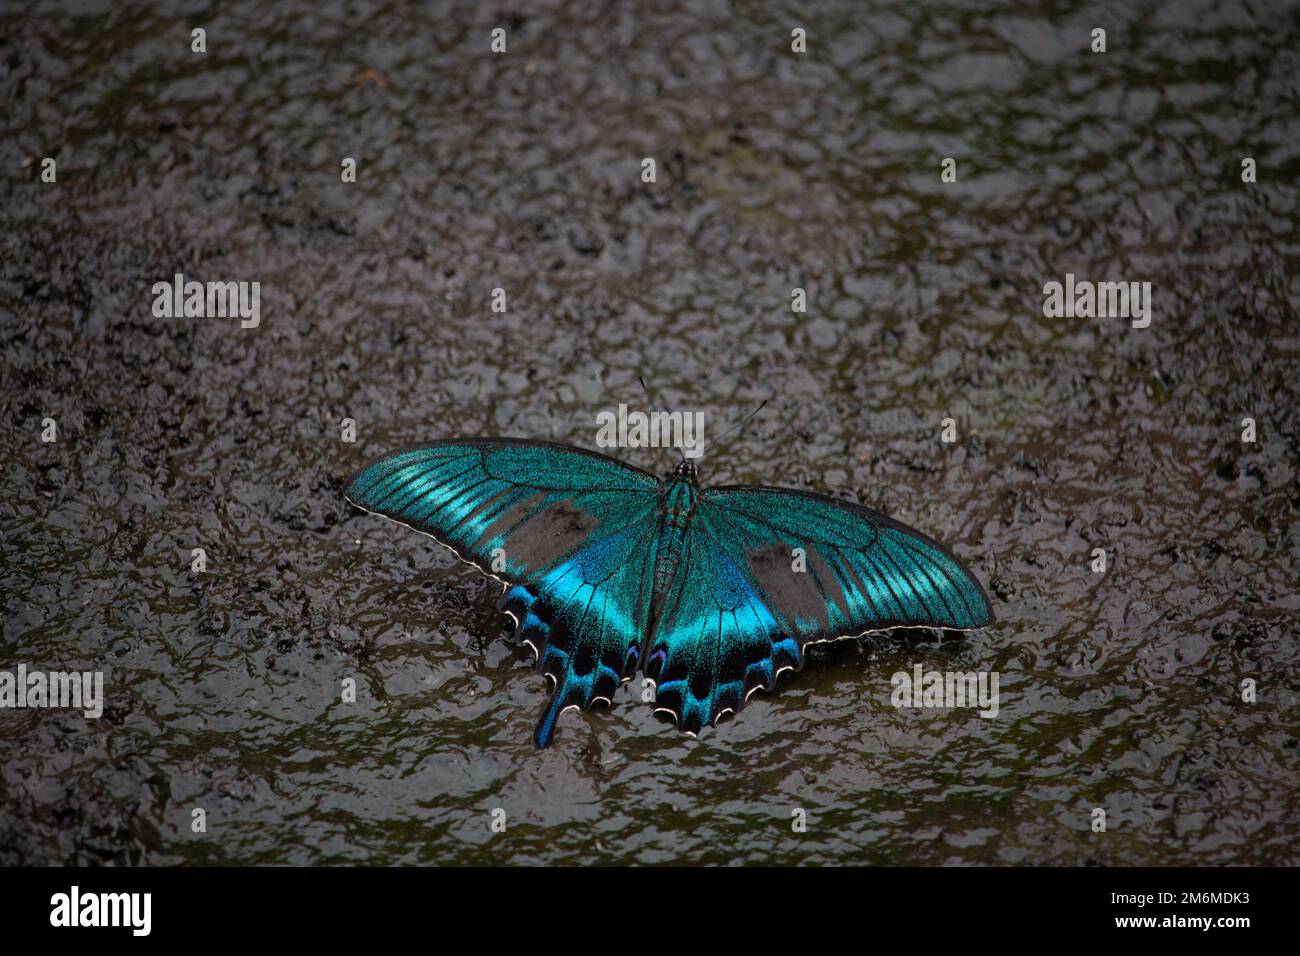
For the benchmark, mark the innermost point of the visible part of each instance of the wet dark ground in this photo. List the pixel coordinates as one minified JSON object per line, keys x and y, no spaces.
{"x":1119,"y":691}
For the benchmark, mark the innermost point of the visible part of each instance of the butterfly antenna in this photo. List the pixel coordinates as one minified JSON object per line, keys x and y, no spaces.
{"x":739,"y":424}
{"x":648,"y":394}
{"x":656,"y":405}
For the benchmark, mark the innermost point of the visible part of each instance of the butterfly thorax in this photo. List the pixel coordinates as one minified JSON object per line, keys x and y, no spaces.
{"x":681,"y":497}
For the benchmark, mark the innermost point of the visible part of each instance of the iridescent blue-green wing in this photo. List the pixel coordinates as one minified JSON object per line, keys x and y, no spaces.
{"x":716,"y":639}
{"x":586,"y":620}
{"x":861,"y":571}
{"x":511,"y":507}
{"x":773,"y":570}
{"x":569,"y":532}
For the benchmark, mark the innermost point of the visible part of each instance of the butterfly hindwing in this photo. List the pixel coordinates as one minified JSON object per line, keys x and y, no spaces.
{"x":717,"y":639}
{"x":569,"y":531}
{"x":585,"y":620}
{"x":772,"y":570}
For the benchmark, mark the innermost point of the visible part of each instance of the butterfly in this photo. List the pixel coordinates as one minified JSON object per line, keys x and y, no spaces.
{"x":712,"y":593}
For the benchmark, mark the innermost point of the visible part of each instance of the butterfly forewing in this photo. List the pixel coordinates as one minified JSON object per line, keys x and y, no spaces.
{"x":512,"y":508}
{"x":860,"y":570}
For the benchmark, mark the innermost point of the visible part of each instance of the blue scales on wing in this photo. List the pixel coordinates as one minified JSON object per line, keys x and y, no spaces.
{"x":570,"y":532}
{"x":767,"y":571}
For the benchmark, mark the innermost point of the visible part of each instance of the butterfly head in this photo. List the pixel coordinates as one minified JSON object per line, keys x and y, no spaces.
{"x":686,"y":471}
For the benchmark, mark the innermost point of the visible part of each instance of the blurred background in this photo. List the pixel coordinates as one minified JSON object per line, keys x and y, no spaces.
{"x":522,"y":171}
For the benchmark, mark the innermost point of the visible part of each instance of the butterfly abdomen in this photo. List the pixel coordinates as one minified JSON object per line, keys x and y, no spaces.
{"x":679,"y":506}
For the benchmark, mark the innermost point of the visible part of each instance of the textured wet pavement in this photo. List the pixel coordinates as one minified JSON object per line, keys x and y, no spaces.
{"x":1119,"y":690}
